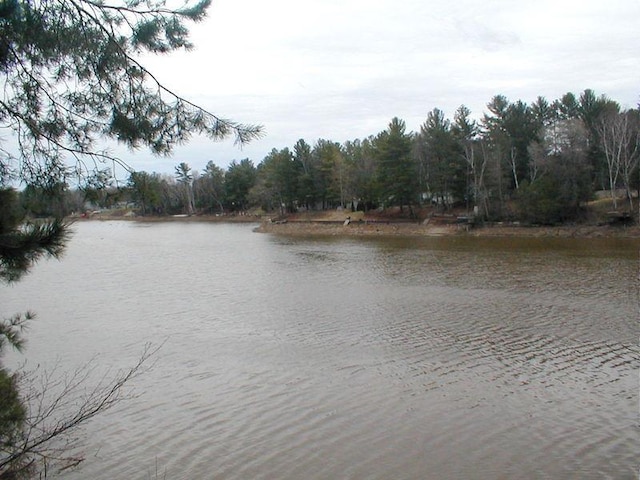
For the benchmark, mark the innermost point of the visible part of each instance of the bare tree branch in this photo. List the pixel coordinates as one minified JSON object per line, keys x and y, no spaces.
{"x":58,"y":407}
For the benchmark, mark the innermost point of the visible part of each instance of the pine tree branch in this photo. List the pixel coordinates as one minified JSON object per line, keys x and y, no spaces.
{"x":19,"y":249}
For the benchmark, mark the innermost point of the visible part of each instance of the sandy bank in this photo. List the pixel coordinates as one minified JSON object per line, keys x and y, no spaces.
{"x":302,"y":228}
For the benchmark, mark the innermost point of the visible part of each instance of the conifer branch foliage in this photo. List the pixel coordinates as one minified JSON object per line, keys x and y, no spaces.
{"x":23,"y":243}
{"x":21,"y":248}
{"x":70,"y":75}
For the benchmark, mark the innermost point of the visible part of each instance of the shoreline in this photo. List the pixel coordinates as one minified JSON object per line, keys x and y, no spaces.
{"x":356,"y":229}
{"x":334,"y":227}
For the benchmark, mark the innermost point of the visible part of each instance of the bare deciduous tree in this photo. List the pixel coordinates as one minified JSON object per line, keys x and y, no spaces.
{"x":620,"y":139}
{"x":57,"y":405}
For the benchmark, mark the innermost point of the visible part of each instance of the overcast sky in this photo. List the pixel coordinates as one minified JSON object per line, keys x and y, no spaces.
{"x":341,"y":69}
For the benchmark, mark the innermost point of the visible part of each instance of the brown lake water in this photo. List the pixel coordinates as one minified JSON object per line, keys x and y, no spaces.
{"x":337,"y":358}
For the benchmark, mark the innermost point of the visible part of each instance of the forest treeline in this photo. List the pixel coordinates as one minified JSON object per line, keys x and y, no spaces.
{"x":538,"y":162}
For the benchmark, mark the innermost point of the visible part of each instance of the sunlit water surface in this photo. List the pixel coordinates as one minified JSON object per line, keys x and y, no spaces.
{"x":283,"y":358}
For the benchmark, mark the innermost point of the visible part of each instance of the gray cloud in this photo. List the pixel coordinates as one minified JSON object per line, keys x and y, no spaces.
{"x":342,"y":69}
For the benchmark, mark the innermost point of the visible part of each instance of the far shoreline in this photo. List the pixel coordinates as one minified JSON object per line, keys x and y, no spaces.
{"x":365,"y":228}
{"x":362,"y":229}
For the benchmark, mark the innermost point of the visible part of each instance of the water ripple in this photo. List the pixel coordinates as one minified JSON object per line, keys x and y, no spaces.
{"x":377,"y":359}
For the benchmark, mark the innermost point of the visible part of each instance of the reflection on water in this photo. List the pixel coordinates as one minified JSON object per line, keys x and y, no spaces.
{"x":348,"y":358}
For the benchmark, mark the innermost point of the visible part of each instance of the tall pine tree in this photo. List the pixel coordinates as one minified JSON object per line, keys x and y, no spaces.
{"x":396,"y":166}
